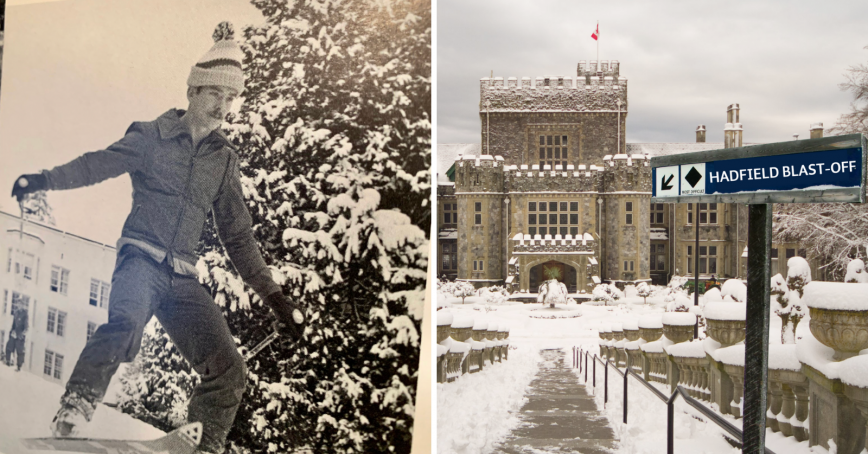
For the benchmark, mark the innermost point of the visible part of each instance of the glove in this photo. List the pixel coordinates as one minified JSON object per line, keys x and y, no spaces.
{"x":26,"y":184}
{"x":290,"y":319}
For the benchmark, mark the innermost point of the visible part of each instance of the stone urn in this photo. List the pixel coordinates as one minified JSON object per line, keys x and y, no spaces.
{"x":632,"y":335}
{"x":725,"y":322}
{"x":676,"y":326}
{"x":617,"y":334}
{"x":839,"y":316}
{"x":650,"y":328}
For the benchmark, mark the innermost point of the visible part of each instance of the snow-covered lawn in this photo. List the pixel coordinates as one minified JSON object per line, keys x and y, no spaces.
{"x":477,"y":411}
{"x":29,"y":402}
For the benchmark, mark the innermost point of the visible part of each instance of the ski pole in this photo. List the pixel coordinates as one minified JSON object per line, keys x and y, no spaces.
{"x":260,"y":346}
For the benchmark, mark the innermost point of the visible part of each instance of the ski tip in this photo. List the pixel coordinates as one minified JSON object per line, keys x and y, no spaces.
{"x":192,"y":431}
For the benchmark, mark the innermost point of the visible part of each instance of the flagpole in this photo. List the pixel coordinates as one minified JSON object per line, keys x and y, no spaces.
{"x":598,"y":47}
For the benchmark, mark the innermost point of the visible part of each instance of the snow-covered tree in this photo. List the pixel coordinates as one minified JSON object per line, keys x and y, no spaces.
{"x":334,"y":141}
{"x":856,"y":120}
{"x":680,"y":303}
{"x":36,"y":208}
{"x":856,"y":272}
{"x":789,"y":297}
{"x":643,"y":290}
{"x":552,"y":292}
{"x":607,"y":293}
{"x":158,"y":384}
{"x":463,"y":289}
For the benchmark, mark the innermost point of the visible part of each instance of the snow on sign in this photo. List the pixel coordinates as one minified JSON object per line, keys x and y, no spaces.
{"x":830,"y":169}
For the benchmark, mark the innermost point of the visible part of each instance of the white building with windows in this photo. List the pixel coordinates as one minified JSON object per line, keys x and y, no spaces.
{"x":63,"y":282}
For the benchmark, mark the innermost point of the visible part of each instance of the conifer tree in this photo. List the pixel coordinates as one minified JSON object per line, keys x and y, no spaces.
{"x":334,"y":140}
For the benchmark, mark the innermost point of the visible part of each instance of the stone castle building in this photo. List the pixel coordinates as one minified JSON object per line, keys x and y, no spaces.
{"x":554,"y":191}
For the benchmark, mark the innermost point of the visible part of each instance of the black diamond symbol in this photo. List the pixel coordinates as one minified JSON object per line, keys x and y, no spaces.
{"x":693,"y":177}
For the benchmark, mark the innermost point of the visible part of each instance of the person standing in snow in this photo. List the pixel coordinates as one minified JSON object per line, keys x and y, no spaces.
{"x":17,"y":337}
{"x":182,"y":166}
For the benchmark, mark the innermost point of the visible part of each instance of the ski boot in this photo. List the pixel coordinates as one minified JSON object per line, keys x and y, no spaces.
{"x":75,"y":412}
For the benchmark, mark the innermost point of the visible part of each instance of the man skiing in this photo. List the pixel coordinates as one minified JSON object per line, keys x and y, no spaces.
{"x":17,"y":338}
{"x":182,"y":166}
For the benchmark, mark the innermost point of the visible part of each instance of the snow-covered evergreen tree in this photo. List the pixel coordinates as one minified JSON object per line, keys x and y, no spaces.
{"x":36,"y":208}
{"x":157,"y":385}
{"x":334,"y":140}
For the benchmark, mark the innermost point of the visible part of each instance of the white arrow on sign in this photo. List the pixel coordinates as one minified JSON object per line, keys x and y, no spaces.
{"x":666,"y":182}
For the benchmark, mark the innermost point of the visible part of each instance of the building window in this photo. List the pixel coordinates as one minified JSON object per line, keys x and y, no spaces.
{"x":19,"y":302}
{"x":53,"y":364}
{"x":449,"y":255}
{"x":792,"y":253}
{"x":553,"y":218}
{"x":553,"y":151}
{"x":628,"y":209}
{"x":99,"y":293}
{"x":56,"y":321}
{"x":450,"y":215}
{"x":707,"y":259}
{"x":478,"y":265}
{"x":5,"y":304}
{"x":658,"y":257}
{"x":628,"y":265}
{"x":59,"y":279}
{"x":707,"y":213}
{"x":477,"y":218}
{"x":91,"y":328}
{"x":656,"y":213}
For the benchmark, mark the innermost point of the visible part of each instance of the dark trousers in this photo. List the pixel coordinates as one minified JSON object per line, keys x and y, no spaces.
{"x":142,"y":288}
{"x":15,"y":344}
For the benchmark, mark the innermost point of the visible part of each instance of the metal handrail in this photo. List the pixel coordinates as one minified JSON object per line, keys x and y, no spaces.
{"x":721,"y":422}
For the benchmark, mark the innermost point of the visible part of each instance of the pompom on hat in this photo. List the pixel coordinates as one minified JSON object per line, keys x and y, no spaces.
{"x":221,"y":65}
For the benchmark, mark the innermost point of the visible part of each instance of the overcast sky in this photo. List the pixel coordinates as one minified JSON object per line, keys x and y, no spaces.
{"x":685,"y":61}
{"x":77,"y":73}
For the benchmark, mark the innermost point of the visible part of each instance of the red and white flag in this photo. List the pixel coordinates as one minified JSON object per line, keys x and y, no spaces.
{"x":596,"y":34}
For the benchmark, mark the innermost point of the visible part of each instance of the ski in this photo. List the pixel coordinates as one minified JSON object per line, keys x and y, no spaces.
{"x":184,"y":440}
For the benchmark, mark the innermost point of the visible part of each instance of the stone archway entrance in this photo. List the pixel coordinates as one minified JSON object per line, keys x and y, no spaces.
{"x":553,"y":270}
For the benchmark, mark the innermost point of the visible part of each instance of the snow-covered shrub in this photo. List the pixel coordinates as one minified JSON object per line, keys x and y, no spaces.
{"x":463,"y":289}
{"x":607,"y":293}
{"x":735,"y":289}
{"x":643,"y":290}
{"x":675,"y":286}
{"x":494,"y":294}
{"x":552,"y":292}
{"x":680,"y":303}
{"x":789,"y":297}
{"x":157,"y":385}
{"x":713,"y":295}
{"x":856,"y":272}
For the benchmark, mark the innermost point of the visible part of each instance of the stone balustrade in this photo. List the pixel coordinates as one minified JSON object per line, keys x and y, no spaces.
{"x":465,"y":346}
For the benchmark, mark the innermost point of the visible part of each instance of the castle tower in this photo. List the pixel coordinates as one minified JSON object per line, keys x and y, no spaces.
{"x":626,"y":200}
{"x":479,"y":194}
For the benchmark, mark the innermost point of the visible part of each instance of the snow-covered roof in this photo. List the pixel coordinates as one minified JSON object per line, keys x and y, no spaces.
{"x":448,"y":234}
{"x":659,"y":233}
{"x":596,"y":279}
{"x":670,"y":148}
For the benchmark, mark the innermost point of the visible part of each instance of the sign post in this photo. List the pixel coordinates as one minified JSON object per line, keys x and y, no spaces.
{"x":831,"y":169}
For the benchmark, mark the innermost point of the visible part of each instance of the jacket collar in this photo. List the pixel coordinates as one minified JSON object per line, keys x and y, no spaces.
{"x":170,"y":126}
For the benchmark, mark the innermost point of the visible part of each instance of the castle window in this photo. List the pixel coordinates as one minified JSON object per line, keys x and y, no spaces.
{"x":658,"y":257}
{"x":628,"y":209}
{"x":531,"y":206}
{"x":478,"y":265}
{"x":656,"y":213}
{"x":574,"y":206}
{"x":553,"y":151}
{"x":628,"y":265}
{"x":562,"y":218}
{"x":477,"y":218}
{"x":449,"y":213}
{"x":707,"y":213}
{"x":449,"y":255}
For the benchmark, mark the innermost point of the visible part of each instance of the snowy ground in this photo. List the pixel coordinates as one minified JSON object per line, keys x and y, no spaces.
{"x":477,"y":411}
{"x":29,"y":403}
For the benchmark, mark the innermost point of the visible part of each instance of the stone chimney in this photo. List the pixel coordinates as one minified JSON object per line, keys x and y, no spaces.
{"x":732,"y":131}
{"x":700,"y":134}
{"x":817,"y":131}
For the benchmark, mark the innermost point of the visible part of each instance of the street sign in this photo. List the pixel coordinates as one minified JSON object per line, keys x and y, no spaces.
{"x":831,"y":169}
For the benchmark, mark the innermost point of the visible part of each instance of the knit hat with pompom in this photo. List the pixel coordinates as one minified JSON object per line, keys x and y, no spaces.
{"x":222,"y":64}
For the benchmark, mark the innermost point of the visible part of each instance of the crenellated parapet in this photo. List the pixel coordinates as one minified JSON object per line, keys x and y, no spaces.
{"x":570,"y":179}
{"x":626,"y":173}
{"x":591,"y":93}
{"x":602,"y":68}
{"x":476,"y":174}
